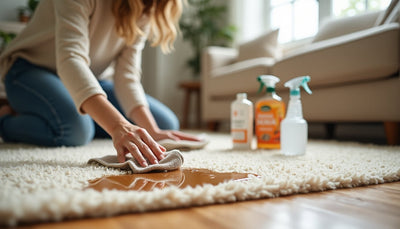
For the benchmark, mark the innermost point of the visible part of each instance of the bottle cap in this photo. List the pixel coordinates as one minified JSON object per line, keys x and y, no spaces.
{"x":241,"y":96}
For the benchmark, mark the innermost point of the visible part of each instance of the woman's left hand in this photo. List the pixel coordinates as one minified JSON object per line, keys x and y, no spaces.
{"x":173,"y":134}
{"x":143,"y":116}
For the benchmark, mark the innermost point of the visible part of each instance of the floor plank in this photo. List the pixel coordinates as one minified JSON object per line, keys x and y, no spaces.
{"x":376,"y":206}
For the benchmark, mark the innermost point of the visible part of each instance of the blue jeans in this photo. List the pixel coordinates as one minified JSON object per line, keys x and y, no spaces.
{"x":46,"y":114}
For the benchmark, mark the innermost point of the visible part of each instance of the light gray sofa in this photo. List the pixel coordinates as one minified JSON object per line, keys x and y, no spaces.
{"x":353,"y":63}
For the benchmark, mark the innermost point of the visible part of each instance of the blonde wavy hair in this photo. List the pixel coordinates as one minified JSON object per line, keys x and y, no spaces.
{"x":164,"y":20}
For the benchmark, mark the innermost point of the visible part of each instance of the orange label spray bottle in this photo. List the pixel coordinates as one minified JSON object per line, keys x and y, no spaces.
{"x":269,"y":112}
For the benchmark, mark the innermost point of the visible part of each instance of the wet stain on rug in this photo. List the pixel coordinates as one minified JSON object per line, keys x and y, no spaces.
{"x":180,"y":178}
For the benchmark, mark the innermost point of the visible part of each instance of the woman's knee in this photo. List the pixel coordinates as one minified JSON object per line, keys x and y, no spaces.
{"x":38,"y":92}
{"x":165,"y":117}
{"x":169,"y":122}
{"x":79,"y":131}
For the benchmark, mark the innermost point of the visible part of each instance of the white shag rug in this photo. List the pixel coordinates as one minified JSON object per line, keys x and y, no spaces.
{"x":47,"y":184}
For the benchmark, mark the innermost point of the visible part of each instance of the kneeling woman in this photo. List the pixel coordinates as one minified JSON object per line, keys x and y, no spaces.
{"x":51,"y":75}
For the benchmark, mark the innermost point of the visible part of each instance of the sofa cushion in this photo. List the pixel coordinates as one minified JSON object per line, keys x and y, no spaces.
{"x":341,"y":26}
{"x":383,"y":16}
{"x":265,"y":45}
{"x":365,"y":55}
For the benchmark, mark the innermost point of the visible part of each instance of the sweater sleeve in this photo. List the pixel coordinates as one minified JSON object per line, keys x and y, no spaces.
{"x":127,"y":76}
{"x":72,"y":49}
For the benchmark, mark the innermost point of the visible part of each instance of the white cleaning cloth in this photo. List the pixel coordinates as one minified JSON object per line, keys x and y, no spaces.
{"x":185,"y":145}
{"x":172,"y":161}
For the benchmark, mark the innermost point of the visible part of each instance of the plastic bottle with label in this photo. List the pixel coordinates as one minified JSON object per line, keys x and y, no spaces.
{"x":294,"y":126}
{"x":269,"y":112}
{"x":242,"y":122}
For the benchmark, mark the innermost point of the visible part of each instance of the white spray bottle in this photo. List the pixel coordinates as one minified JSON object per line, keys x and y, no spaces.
{"x":294,"y":128}
{"x":242,"y":122}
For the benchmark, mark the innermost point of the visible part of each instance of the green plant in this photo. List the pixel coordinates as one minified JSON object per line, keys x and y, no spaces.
{"x":23,"y":11}
{"x":203,"y":24}
{"x":6,"y":38}
{"x":32,"y":4}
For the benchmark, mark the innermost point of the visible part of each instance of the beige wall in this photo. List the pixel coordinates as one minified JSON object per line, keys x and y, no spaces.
{"x":163,"y":72}
{"x":9,"y":9}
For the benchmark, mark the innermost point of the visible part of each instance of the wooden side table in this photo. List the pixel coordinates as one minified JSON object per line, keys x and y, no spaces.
{"x":191,"y":87}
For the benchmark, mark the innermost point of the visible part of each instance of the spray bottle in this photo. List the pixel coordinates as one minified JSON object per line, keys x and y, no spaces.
{"x":242,"y":122}
{"x":294,"y":127}
{"x":269,"y":112}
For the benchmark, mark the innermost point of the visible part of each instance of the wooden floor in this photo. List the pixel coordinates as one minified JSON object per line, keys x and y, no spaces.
{"x":376,"y":206}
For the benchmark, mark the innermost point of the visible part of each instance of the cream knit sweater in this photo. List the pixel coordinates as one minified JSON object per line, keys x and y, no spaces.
{"x":77,"y":40}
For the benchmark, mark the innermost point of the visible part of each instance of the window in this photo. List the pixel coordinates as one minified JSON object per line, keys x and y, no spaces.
{"x":253,"y":19}
{"x":342,"y":8}
{"x":296,"y":19}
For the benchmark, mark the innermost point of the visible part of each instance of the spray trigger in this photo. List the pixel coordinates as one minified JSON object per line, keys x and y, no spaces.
{"x":261,"y":84}
{"x":294,"y":85}
{"x":305,"y":85}
{"x":267,"y":81}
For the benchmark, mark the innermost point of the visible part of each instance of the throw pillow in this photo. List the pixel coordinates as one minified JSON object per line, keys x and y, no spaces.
{"x":264,"y":46}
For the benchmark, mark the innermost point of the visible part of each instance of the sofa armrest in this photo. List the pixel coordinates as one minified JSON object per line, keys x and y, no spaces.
{"x":361,"y":55}
{"x":213,"y":57}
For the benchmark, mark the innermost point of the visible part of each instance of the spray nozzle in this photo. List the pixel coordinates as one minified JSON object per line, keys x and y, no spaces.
{"x":294,"y":85}
{"x":267,"y":81}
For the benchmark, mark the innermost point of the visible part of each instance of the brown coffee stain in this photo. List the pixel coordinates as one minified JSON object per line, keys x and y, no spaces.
{"x":149,"y":181}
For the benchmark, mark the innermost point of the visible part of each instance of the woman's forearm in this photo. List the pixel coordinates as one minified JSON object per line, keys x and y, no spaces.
{"x":142,"y":116}
{"x":108,"y":117}
{"x":104,"y":113}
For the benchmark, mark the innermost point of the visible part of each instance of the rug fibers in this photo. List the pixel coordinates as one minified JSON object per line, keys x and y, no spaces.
{"x":48,"y":184}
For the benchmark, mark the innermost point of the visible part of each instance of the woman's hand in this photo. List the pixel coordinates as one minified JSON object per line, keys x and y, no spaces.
{"x":127,"y":138}
{"x":143,"y":116}
{"x":131,"y":139}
